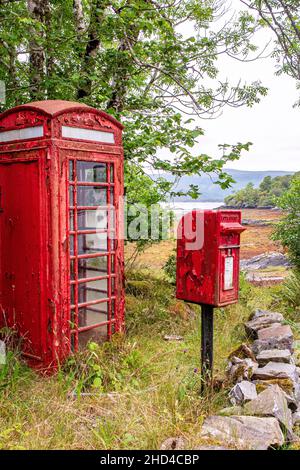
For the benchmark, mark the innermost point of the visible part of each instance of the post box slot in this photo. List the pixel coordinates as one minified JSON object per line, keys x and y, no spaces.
{"x":233,"y":227}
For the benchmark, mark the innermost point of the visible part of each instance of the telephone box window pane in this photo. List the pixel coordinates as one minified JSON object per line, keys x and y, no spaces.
{"x":112,"y":199}
{"x":71,"y":220}
{"x":72,"y":244}
{"x":112,"y":173}
{"x":20,"y":134}
{"x":91,"y":172}
{"x":91,"y":220}
{"x":92,"y":243}
{"x":92,"y":315}
{"x":71,"y":170}
{"x":72,"y":269}
{"x":87,"y":134}
{"x":71,"y":196}
{"x":91,"y":196}
{"x":112,"y":263}
{"x":72,"y":294}
{"x":92,"y":267}
{"x":113,"y":286}
{"x":93,"y":290}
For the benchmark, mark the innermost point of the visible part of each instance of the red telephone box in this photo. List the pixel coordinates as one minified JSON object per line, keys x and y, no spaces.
{"x":208,"y":250}
{"x":61,"y":250}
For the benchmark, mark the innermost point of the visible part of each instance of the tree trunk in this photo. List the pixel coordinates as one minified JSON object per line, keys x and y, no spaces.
{"x":37,"y":67}
{"x":88,"y":63}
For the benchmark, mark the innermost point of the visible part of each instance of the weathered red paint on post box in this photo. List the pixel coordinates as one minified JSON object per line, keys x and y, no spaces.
{"x":208,"y":268}
{"x":61,"y":253}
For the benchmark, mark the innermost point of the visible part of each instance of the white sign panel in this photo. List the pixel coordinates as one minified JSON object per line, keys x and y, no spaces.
{"x":228,"y":274}
{"x":88,"y":134}
{"x":20,"y":134}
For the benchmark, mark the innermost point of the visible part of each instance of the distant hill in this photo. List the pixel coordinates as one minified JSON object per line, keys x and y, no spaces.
{"x":212,"y":192}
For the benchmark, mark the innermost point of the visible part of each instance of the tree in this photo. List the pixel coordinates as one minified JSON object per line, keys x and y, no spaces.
{"x":136,"y":60}
{"x":283,"y":19}
{"x":288,"y":229}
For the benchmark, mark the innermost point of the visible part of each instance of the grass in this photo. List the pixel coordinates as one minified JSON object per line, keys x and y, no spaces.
{"x":133,"y":392}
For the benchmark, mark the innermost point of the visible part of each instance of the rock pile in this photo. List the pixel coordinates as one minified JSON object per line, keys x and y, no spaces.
{"x":266,"y":389}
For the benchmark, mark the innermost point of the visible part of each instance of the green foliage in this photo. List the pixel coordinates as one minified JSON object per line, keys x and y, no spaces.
{"x":133,"y":60}
{"x":265,"y":195}
{"x":170,"y":268}
{"x":288,"y":229}
{"x":291,"y":292}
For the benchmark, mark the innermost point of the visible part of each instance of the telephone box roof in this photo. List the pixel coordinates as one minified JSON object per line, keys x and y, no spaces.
{"x":56,"y":107}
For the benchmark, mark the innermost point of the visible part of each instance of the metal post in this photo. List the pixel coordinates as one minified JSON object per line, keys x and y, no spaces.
{"x":207,"y":332}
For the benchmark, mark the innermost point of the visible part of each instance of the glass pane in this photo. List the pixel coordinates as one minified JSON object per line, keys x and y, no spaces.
{"x":112,"y":263}
{"x":112,"y":199}
{"x":71,"y":170}
{"x":94,"y":219}
{"x":71,"y":196}
{"x":92,"y":243}
{"x":92,"y":172}
{"x":88,"y":316}
{"x":72,"y":269}
{"x":72,"y":244}
{"x":91,"y":196}
{"x":93,"y":290}
{"x":98,"y":335}
{"x":92,"y":267}
{"x":112,"y":286}
{"x":112,"y":173}
{"x":72,"y":294}
{"x":71,"y":220}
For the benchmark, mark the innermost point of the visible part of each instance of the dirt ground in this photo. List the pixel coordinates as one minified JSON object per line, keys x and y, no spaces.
{"x":254,"y":241}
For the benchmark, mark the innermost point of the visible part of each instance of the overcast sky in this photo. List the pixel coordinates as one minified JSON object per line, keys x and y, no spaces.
{"x":273,"y":125}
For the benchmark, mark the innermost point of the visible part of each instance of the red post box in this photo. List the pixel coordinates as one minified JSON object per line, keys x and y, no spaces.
{"x":208,"y":268}
{"x":208,"y":256}
{"x":61,"y":253}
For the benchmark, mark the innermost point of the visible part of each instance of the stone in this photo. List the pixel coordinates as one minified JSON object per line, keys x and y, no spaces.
{"x":275,"y":331}
{"x":240,"y":369}
{"x":173,"y":443}
{"x":173,"y":338}
{"x":274,"y":355}
{"x":231,"y":410}
{"x":243,"y":432}
{"x":272,"y":402}
{"x":242,"y":392}
{"x":286,"y":385}
{"x":273,"y":337}
{"x":270,"y":318}
{"x":276,"y":370}
{"x":258,"y":313}
{"x":242,"y":352}
{"x":265,"y":260}
{"x":298,"y":371}
{"x":296,"y":417}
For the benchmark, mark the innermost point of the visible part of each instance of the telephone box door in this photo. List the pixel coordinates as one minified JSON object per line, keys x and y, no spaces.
{"x":20,"y":251}
{"x":93,"y":223}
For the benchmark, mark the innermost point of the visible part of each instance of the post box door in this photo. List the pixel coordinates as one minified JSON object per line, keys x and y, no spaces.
{"x":228,"y":275}
{"x":92,"y":225}
{"x":20,"y":252}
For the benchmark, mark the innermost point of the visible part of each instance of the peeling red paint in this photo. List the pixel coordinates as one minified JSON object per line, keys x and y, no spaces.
{"x":35,"y":231}
{"x":209,"y":274}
